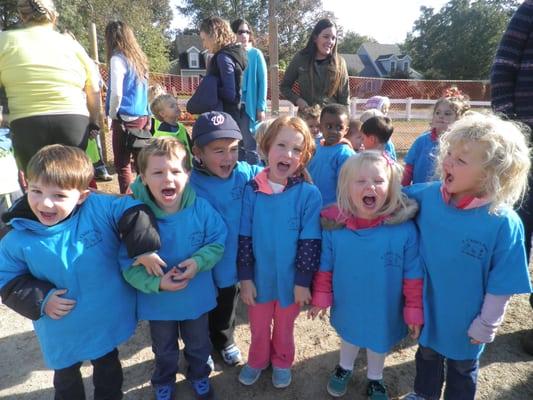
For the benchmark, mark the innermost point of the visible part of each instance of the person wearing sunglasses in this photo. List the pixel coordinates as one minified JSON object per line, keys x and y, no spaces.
{"x":254,"y":91}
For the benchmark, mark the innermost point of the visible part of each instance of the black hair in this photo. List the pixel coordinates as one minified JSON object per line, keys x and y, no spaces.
{"x":380,"y":127}
{"x":334,"y":109}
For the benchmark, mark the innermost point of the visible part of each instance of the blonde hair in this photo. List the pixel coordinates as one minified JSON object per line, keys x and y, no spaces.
{"x":397,"y":205}
{"x":37,"y":11}
{"x":506,"y":155}
{"x":64,"y":166}
{"x":458,"y":102}
{"x":219,"y":30}
{"x":119,"y":38}
{"x":155,"y":91}
{"x":373,"y":112}
{"x":310,"y":112}
{"x":159,"y":103}
{"x":259,"y":135}
{"x":298,"y":124}
{"x":163,"y":146}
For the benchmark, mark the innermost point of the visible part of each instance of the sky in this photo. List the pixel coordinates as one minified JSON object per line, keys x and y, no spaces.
{"x":387,"y":21}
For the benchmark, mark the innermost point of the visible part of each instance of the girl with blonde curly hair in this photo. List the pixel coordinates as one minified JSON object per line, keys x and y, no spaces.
{"x":472,"y":248}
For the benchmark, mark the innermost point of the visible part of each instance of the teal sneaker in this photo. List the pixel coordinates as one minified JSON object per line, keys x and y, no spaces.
{"x":338,"y":381}
{"x":248,"y":375}
{"x":413,"y":396}
{"x":376,"y":390}
{"x":281,"y":377}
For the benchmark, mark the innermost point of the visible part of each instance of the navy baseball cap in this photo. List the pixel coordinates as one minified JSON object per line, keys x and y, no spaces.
{"x":214,"y":125}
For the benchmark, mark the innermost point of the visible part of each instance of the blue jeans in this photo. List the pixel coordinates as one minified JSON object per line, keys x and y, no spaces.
{"x":248,"y":149}
{"x":461,"y":376}
{"x":195,"y":335}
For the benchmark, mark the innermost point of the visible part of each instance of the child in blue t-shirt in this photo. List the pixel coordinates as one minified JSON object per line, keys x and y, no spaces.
{"x":279,"y":248}
{"x":331,"y":154}
{"x":219,"y":178}
{"x":377,"y":132}
{"x":420,"y":159}
{"x":176,"y":301}
{"x":374,"y":300}
{"x":59,"y":268}
{"x":472,"y":248}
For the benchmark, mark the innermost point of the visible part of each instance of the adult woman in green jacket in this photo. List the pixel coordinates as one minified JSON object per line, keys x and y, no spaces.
{"x":319,"y":71}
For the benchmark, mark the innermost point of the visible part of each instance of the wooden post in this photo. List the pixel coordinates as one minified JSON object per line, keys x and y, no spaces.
{"x":408,"y":108}
{"x":93,"y":43}
{"x":273,"y":57}
{"x":353,"y":107}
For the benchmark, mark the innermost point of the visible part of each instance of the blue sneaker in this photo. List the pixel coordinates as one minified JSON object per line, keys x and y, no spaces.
{"x":231,"y":355}
{"x":413,"y":396}
{"x":202,"y":389}
{"x":281,"y":377}
{"x":248,"y":375}
{"x":164,"y":392}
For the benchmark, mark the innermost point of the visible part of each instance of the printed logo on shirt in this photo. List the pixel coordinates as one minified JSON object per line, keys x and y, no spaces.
{"x":392,"y":259}
{"x":197,"y":239}
{"x":91,"y":238}
{"x":294,"y":223}
{"x":236,"y":192}
{"x":474,"y":248}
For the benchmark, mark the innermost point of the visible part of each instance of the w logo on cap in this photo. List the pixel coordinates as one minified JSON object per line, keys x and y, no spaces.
{"x":217,"y":119}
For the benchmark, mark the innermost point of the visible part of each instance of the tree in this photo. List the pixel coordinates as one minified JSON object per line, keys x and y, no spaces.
{"x":296,"y":19}
{"x":8,"y":14}
{"x":458,"y":42}
{"x":351,"y":41}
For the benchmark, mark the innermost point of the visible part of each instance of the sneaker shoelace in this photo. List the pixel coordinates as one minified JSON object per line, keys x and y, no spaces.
{"x":376,"y":387}
{"x":164,"y":391}
{"x":341,"y":373}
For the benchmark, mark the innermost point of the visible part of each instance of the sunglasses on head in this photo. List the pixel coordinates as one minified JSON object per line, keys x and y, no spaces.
{"x":242,"y":31}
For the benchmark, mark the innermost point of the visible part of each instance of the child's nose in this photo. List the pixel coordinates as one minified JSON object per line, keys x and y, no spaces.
{"x":47,"y":202}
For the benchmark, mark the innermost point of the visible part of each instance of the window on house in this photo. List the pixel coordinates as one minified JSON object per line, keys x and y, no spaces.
{"x":194,"y":62}
{"x":392,"y":66}
{"x":406,"y":66}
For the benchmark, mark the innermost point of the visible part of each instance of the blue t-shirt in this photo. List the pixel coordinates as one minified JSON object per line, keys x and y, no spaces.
{"x":466,"y":254}
{"x":78,"y":254}
{"x":324,"y":168}
{"x":368,"y":302}
{"x":276,"y":222}
{"x":182,"y":234}
{"x":422,"y":156}
{"x":225,"y":195}
{"x":389,"y":148}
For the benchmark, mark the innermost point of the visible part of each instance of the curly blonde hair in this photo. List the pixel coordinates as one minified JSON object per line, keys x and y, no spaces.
{"x":397,"y":205}
{"x":506,"y":155}
{"x":296,"y":123}
{"x":159,"y":103}
{"x":163,"y":146}
{"x":219,"y":30}
{"x":119,"y":38}
{"x":458,"y":102}
{"x":37,"y":11}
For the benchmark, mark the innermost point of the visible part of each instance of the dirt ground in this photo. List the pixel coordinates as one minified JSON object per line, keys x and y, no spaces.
{"x":506,"y":372}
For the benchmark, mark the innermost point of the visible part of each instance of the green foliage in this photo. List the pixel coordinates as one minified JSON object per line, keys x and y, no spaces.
{"x":351,"y":41}
{"x":150,"y":20}
{"x":458,"y":42}
{"x":295,"y":18}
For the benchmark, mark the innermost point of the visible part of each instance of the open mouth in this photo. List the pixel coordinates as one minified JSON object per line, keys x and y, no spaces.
{"x":47,"y":215}
{"x":369,"y":201}
{"x":226,"y":169}
{"x":283,"y":166}
{"x":168,"y":193}
{"x":448,"y":178}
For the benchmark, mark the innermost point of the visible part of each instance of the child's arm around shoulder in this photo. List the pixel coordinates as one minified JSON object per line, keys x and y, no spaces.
{"x":245,"y":252}
{"x":413,"y":282}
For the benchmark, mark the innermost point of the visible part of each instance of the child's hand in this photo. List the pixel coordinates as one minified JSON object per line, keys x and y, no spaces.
{"x":302,"y":295}
{"x":248,"y":292}
{"x":414,"y":331}
{"x":152,"y":262}
{"x":172,"y":281}
{"x":188,"y":269}
{"x":317,"y":312}
{"x":57,"y":307}
{"x":474,"y":341}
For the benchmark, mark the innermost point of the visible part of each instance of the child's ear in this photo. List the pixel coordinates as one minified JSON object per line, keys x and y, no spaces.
{"x":143,"y":181}
{"x":83,"y":196}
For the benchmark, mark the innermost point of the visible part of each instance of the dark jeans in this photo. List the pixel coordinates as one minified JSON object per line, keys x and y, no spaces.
{"x":461,"y":376}
{"x":222,"y":317}
{"x":195,"y":335}
{"x":30,"y":134}
{"x":248,"y":148}
{"x":107,"y":379}
{"x":124,"y":157}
